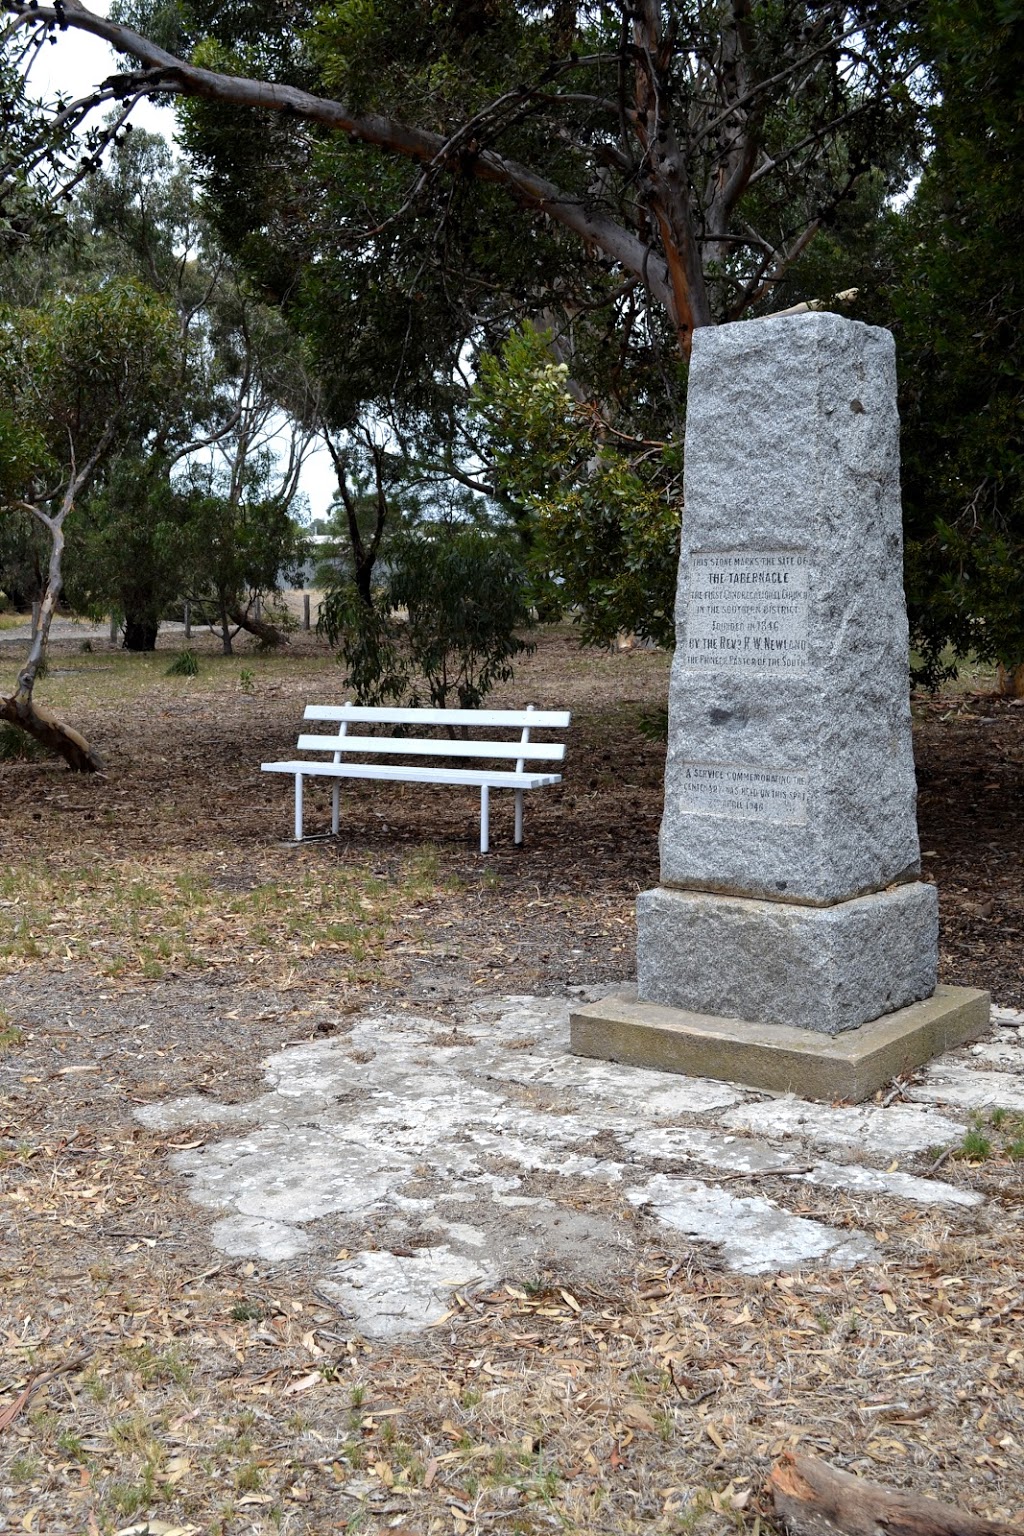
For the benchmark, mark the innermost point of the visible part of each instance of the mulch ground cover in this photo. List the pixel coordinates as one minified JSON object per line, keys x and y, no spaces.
{"x":159,"y":936}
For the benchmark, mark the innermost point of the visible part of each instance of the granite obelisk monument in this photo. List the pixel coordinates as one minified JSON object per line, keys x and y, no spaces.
{"x":791,"y":942}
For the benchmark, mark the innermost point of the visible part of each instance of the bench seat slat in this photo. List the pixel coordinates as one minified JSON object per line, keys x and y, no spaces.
{"x":511,"y":719}
{"x":499,"y":779}
{"x":407,"y":746}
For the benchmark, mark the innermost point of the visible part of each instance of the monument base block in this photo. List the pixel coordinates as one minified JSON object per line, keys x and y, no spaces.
{"x":826,"y":969}
{"x":780,"y":1058}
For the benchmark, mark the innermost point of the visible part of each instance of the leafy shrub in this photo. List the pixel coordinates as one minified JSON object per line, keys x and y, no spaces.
{"x":368,"y":644}
{"x":443,"y":624}
{"x":185,"y":664}
{"x":465,"y":591}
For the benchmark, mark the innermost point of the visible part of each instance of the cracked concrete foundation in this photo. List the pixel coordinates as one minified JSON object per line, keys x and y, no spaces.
{"x":399,"y":1170}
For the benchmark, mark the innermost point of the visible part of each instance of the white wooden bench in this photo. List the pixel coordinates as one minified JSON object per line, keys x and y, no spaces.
{"x":522,"y":751}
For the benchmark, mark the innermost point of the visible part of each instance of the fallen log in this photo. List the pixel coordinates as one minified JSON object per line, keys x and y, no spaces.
{"x":61,"y":739}
{"x":813,"y":1499}
{"x":266,"y":633}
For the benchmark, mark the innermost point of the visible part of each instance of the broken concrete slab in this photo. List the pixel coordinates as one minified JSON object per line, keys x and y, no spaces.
{"x":884,"y":1132}
{"x":746,"y":1154}
{"x":496,"y":1154}
{"x":754,"y":1235}
{"x":948,"y":1082}
{"x":388,"y":1293}
{"x":256,"y":1236}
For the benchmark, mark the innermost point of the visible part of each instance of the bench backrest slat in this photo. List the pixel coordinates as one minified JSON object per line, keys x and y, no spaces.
{"x":514,"y":719}
{"x":551,"y":751}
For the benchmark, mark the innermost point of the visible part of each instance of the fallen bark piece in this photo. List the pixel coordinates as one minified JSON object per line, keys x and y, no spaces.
{"x":814,"y":1499}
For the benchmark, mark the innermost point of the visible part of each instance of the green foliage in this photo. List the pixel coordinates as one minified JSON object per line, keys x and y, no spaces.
{"x":23,"y":450}
{"x":127,"y":551}
{"x":465,"y":593}
{"x":391,"y":272}
{"x":387,"y":271}
{"x":946,"y":273}
{"x":23,"y":557}
{"x":185,"y":664}
{"x":1000,"y":1133}
{"x":958,"y":309}
{"x":87,"y":369}
{"x":653,"y":724}
{"x":236,"y":539}
{"x":462,"y":592}
{"x":151,"y":532}
{"x":603,"y":505}
{"x":975,"y":1145}
{"x":368,"y":644}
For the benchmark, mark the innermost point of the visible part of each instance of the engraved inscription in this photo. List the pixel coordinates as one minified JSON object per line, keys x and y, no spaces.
{"x":747,"y":612}
{"x":744,"y":793}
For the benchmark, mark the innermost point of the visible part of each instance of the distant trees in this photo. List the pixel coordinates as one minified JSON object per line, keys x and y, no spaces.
{"x":368,"y":504}
{"x":143,"y":399}
{"x":959,"y":313}
{"x":78,"y":379}
{"x":199,"y":508}
{"x":664,"y":166}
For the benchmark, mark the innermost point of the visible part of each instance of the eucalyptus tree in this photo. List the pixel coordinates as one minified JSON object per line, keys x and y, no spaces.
{"x":239,"y":374}
{"x":409,"y":183}
{"x":78,"y":379}
{"x":685,"y":153}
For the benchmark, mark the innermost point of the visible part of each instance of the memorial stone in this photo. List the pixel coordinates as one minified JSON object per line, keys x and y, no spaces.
{"x":789,"y":888}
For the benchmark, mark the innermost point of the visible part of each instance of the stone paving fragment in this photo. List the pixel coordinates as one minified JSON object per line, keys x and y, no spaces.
{"x":954,"y":1082}
{"x":743,"y":1155}
{"x":893,"y":1132}
{"x":474,"y":1148}
{"x":753,"y":1235}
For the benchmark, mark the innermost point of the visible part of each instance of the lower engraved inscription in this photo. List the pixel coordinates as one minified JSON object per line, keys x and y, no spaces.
{"x":743,"y":793}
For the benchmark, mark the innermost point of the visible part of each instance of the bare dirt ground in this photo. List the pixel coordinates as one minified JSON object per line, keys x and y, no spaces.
{"x":159,"y":937}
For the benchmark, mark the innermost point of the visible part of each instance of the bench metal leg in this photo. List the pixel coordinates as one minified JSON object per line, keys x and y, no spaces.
{"x":335,"y":808}
{"x":298,"y":807}
{"x":519,"y":817}
{"x":485,"y":817}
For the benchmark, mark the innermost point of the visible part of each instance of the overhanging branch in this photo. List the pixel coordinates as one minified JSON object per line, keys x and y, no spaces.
{"x":165,"y":73}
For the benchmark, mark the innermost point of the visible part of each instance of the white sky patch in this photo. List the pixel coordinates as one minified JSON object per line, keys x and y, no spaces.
{"x":76,"y":65}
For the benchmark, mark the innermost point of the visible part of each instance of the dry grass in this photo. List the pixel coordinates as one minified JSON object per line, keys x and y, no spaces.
{"x":147,"y":1383}
{"x":228,"y":1400}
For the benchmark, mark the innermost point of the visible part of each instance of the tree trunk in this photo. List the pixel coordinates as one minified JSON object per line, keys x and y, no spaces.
{"x":140,"y":634}
{"x":813,"y":1499}
{"x":1011,"y":681}
{"x":19,"y":710}
{"x":364,"y":580}
{"x":18,"y":707}
{"x":266,"y":633}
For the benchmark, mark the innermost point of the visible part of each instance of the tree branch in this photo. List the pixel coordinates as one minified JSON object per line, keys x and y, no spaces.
{"x":165,"y":73}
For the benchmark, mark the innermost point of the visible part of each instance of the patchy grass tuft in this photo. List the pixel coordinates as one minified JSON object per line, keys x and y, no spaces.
{"x":185,"y":664}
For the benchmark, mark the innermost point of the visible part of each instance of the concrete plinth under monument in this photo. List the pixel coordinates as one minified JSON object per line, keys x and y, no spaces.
{"x":851,"y":1066}
{"x":791,"y":944}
